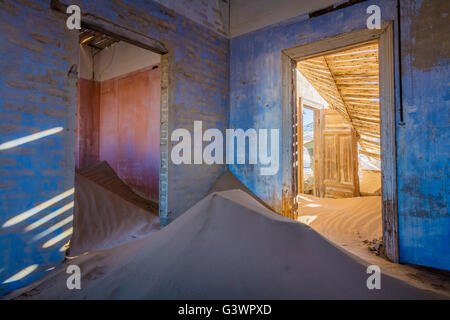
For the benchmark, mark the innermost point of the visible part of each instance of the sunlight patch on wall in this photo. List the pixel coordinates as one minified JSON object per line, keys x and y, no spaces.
{"x":53,"y":228}
{"x":50,"y":216}
{"x":32,"y":137}
{"x":58,"y":238}
{"x":27,"y":214}
{"x":21,"y":274}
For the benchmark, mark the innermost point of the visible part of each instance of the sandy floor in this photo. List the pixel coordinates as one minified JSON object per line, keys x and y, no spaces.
{"x":347,"y":221}
{"x":227,"y":246}
{"x":104,"y":220}
{"x":107,"y":212}
{"x":355,"y":225}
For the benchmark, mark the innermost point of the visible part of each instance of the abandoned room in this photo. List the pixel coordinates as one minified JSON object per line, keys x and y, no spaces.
{"x":224,"y":149}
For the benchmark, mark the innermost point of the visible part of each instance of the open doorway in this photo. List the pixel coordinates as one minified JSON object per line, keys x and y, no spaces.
{"x":117,"y":143}
{"x":340,"y":110}
{"x":118,"y":110}
{"x":339,"y":115}
{"x":339,"y":155}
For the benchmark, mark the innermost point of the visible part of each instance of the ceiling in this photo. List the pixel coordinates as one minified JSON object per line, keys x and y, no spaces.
{"x":95,"y":39}
{"x":349,"y":81}
{"x":250,"y":15}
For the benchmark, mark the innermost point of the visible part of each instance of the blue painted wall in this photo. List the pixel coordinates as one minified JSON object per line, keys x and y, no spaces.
{"x":221,"y":82}
{"x":423,"y":150}
{"x":36,"y":51}
{"x":423,"y":142}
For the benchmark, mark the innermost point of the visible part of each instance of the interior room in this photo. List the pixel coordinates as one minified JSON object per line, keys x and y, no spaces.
{"x":118,"y":110}
{"x":117,"y":144}
{"x":224,"y":150}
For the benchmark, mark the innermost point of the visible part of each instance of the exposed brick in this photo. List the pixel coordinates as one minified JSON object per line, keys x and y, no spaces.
{"x":44,"y":39}
{"x":25,"y":108}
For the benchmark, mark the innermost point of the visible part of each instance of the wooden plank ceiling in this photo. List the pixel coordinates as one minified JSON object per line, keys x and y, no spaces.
{"x":95,"y":39}
{"x":349,"y":81}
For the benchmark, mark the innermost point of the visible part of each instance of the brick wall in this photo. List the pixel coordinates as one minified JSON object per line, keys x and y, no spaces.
{"x":36,"y":52}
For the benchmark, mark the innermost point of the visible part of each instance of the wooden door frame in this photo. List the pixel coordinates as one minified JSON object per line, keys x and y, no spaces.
{"x":316,"y":108}
{"x":289,"y":58}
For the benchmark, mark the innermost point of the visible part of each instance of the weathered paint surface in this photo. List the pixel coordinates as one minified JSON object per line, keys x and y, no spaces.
{"x":423,"y":153}
{"x":211,"y":13}
{"x":422,"y":146}
{"x":36,"y":94}
{"x":129,"y":128}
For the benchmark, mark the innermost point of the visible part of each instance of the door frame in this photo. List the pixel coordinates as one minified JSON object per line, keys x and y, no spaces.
{"x":289,"y":57}
{"x":168,"y":87}
{"x":316,"y":108}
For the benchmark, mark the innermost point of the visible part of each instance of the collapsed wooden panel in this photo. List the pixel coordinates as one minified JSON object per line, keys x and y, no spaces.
{"x":349,"y":81}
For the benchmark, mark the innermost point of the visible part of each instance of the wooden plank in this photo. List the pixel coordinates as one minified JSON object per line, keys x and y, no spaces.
{"x":370,"y":154}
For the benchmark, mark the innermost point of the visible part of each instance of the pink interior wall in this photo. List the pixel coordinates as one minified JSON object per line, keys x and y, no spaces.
{"x":127,"y":127}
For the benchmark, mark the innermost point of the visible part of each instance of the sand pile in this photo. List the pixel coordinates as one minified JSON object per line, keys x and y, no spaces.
{"x":106,"y":213}
{"x":227,"y":246}
{"x":228,"y":181}
{"x":101,"y":173}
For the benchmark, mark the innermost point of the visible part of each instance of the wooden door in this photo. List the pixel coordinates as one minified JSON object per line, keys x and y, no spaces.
{"x":339,"y":157}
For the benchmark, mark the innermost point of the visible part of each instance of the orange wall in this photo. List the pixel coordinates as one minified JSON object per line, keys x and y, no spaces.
{"x":127,"y":127}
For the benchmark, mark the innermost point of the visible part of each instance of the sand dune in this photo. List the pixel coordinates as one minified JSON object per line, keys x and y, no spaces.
{"x":106,"y":218}
{"x":227,"y":246}
{"x":228,"y":181}
{"x":102,"y":174}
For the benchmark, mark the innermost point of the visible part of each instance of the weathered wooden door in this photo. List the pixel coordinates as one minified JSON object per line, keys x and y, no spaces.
{"x":339,"y":157}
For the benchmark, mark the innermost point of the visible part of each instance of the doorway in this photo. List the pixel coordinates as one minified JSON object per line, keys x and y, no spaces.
{"x":118,"y":113}
{"x":356,"y":125}
{"x":117,"y":148}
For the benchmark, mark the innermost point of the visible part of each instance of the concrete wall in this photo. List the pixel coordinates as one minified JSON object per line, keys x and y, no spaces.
{"x":36,"y":52}
{"x":422,"y":146}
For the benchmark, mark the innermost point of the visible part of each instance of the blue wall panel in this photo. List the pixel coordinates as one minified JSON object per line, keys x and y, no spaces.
{"x":36,"y":51}
{"x":423,"y":141}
